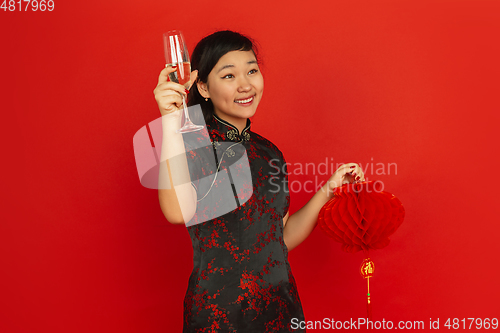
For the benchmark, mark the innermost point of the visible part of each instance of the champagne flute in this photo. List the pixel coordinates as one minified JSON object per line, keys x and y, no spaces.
{"x":177,"y":55}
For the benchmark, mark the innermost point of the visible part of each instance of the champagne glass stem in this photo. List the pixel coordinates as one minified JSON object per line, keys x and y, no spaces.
{"x":188,"y":124}
{"x":186,"y":113}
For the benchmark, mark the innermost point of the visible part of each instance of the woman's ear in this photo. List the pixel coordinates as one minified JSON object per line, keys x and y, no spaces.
{"x":202,"y":89}
{"x":194,"y":78}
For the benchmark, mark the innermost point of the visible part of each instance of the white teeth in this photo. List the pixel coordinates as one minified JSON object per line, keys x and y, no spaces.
{"x":242,"y":101}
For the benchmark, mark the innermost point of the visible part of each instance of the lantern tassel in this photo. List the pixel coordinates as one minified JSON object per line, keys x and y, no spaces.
{"x":369,"y":304}
{"x":367,"y":268}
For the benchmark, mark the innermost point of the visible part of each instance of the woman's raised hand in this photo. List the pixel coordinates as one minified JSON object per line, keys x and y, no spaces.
{"x":169,"y":94}
{"x":346,"y":173}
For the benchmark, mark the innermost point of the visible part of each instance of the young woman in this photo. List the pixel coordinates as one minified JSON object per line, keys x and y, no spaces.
{"x":241,"y":279}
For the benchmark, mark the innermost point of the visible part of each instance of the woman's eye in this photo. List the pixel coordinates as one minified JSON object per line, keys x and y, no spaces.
{"x":228,"y":76}
{"x":253,"y":71}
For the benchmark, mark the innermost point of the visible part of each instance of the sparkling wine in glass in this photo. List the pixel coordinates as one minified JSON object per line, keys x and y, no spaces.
{"x":177,"y":56}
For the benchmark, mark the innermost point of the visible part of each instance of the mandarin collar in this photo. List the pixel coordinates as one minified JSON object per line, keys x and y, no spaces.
{"x":230,"y":131}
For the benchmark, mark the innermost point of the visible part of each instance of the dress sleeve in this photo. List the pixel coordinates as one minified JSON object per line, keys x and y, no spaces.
{"x":201,"y":164}
{"x":194,"y":160}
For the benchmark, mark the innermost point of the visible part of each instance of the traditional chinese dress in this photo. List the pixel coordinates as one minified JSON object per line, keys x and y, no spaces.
{"x":241,"y":279}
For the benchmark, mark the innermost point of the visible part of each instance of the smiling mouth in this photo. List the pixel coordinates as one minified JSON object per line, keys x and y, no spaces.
{"x":244,"y":101}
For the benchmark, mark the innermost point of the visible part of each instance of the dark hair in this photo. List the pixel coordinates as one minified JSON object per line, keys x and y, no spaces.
{"x":205,"y":56}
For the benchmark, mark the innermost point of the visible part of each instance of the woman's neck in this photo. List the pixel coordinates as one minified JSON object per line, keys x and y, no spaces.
{"x":239,"y":123}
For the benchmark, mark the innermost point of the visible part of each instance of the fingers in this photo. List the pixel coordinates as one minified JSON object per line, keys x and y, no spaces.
{"x":164,"y":74}
{"x":169,"y":98}
{"x":168,"y":101}
{"x":357,"y":173}
{"x":352,"y":172}
{"x":168,"y":94}
{"x":163,"y":87}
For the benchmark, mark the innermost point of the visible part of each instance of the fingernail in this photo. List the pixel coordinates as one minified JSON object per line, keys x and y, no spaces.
{"x":187,"y":91}
{"x":357,"y":178}
{"x":174,"y":66}
{"x":353,"y":167}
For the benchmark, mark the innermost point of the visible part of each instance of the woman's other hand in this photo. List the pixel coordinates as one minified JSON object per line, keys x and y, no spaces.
{"x":346,"y":173}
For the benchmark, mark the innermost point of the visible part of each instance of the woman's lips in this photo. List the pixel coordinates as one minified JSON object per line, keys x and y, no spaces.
{"x":245,"y":101}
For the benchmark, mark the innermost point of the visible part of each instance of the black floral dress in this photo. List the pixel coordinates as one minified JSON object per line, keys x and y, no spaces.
{"x":241,"y":279}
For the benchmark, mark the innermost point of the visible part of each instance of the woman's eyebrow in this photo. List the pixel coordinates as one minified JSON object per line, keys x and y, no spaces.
{"x":224,"y":67}
{"x":229,"y":65}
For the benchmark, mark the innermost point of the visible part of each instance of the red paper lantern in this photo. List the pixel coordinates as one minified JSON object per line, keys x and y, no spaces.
{"x":361,"y":217}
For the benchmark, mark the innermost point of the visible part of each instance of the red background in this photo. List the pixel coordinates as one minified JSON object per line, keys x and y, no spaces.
{"x":85,"y":248}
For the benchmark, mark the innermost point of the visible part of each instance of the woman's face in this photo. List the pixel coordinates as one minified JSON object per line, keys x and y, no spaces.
{"x":235,"y":86}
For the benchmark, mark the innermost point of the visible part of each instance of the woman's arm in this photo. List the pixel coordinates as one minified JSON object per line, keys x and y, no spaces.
{"x":176,"y":195}
{"x":300,"y":225}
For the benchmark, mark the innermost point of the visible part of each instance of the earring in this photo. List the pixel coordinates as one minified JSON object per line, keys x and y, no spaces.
{"x":206,"y":99}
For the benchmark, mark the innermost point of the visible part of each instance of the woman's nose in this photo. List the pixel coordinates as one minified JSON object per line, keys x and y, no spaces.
{"x":244,"y":84}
